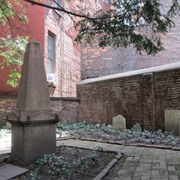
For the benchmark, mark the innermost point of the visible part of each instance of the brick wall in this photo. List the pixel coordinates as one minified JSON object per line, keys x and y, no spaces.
{"x":67,"y":108}
{"x":167,"y":93}
{"x":7,"y":103}
{"x":97,"y":62}
{"x":141,"y":97}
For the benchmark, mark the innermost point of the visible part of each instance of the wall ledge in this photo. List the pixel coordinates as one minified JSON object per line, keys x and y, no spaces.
{"x":166,"y":67}
{"x":52,"y":98}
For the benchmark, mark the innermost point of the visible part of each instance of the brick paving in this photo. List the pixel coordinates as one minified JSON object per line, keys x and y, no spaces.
{"x":142,"y":163}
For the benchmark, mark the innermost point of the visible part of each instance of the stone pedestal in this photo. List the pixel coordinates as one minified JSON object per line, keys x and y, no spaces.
{"x":33,"y":134}
{"x":33,"y":141}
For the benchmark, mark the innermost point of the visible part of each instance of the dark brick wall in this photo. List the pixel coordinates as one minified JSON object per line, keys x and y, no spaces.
{"x":167,"y":94}
{"x":102,"y":101}
{"x":68,"y":108}
{"x":142,"y":98}
{"x":7,"y":103}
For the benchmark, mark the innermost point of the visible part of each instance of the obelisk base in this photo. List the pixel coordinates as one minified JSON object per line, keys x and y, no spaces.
{"x":33,"y":141}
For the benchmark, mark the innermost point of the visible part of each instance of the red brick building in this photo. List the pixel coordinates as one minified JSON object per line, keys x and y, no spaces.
{"x":54,"y":30}
{"x":34,"y":30}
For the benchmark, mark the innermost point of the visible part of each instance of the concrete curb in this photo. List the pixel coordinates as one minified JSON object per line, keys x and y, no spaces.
{"x":174,"y":148}
{"x":104,"y":172}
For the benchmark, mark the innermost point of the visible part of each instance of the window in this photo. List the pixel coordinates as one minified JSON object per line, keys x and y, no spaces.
{"x":51,"y":53}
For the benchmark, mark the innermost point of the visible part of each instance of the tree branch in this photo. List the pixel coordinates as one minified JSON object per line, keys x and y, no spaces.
{"x":57,"y":8}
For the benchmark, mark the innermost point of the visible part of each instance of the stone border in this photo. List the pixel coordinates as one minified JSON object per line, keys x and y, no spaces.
{"x":104,"y":172}
{"x":174,"y":148}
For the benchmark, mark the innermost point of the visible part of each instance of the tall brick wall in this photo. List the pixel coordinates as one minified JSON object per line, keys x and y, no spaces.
{"x":141,"y":97}
{"x":97,"y":62}
{"x":67,"y":108}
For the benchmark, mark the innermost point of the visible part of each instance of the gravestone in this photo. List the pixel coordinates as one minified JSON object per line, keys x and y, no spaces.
{"x":33,"y":122}
{"x":137,"y":127}
{"x":172,"y":120}
{"x":119,"y":122}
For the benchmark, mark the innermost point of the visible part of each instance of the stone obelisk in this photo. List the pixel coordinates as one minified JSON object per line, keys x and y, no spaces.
{"x":33,"y":122}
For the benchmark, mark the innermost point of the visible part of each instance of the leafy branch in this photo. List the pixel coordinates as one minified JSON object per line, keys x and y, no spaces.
{"x":12,"y":53}
{"x":12,"y":47}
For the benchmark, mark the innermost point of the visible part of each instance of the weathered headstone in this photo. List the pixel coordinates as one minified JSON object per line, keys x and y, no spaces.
{"x":63,"y":121}
{"x":137,"y":127}
{"x":109,"y":126}
{"x":33,"y":122}
{"x":119,"y":122}
{"x":172,"y":119}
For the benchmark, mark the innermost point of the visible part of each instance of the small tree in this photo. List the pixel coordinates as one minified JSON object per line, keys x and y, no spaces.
{"x":12,"y":47}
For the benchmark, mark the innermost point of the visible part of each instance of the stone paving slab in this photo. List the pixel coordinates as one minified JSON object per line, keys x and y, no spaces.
{"x":8,"y":171}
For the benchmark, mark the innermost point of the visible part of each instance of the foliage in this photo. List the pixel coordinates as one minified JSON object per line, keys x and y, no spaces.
{"x":12,"y":51}
{"x":54,"y":165}
{"x":71,"y":126}
{"x":11,"y":12}
{"x":126,"y":136}
{"x":126,"y":22}
{"x":12,"y":47}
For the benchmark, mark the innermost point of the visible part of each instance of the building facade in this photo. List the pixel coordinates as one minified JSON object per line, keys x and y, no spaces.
{"x":55,"y":32}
